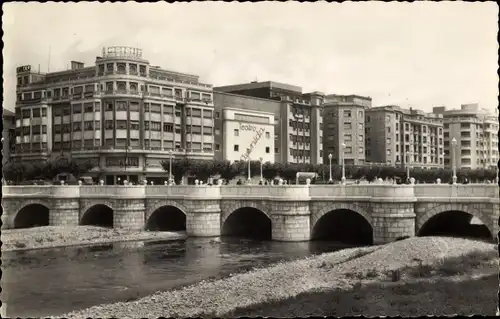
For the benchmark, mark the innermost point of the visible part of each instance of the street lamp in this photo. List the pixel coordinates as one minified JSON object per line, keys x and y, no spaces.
{"x":261,"y":174}
{"x":127,"y":149}
{"x":343,"y":164}
{"x":330,"y":158}
{"x":454,"y":164}
{"x":170,"y":167}
{"x":249,"y":172}
{"x":408,"y":156}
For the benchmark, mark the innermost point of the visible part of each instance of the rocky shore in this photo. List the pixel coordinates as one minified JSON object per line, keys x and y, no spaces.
{"x":430,"y":264}
{"x":58,"y":236}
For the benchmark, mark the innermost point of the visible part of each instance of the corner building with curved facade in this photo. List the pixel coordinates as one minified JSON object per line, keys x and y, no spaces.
{"x":123,"y":114}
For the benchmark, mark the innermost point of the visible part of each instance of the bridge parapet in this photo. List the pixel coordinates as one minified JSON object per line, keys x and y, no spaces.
{"x":284,"y":192}
{"x":184,"y":192}
{"x":457,"y":191}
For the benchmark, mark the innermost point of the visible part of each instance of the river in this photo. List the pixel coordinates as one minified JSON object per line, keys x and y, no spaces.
{"x":56,"y":281}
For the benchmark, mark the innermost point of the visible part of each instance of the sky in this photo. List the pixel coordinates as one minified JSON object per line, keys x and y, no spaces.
{"x":416,"y":55}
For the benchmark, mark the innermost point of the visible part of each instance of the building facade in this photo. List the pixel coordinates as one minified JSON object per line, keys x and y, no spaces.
{"x":243,"y":124}
{"x":8,"y":135}
{"x":344,"y":123}
{"x":476,"y":133}
{"x":122,"y":114}
{"x":298,"y":119}
{"x":399,"y":137}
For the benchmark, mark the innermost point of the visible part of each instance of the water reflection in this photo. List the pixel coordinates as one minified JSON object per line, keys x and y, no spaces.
{"x":55,"y":281}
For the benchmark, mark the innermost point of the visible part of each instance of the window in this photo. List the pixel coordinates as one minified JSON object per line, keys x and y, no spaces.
{"x":236,"y":148}
{"x":36,"y":112}
{"x":217,"y":115}
{"x":88,"y":125}
{"x":276,"y":150}
{"x":109,"y":124}
{"x":267,"y":149}
{"x":121,"y":106}
{"x":347,"y":113}
{"x":217,"y":131}
{"x":347,"y":126}
{"x":236,"y":132}
{"x":348,"y":150}
{"x":217,"y":147}
{"x":109,"y":106}
{"x":347,"y":137}
{"x":360,"y":114}
{"x":207,"y":114}
{"x":77,"y":126}
{"x":156,"y":126}
{"x":268,"y":135}
{"x":88,"y":107}
{"x":121,"y":125}
{"x":77,"y":108}
{"x":134,"y":125}
{"x":168,"y":127}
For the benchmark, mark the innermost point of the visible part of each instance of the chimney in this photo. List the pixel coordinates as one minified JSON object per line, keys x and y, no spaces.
{"x":75,"y":65}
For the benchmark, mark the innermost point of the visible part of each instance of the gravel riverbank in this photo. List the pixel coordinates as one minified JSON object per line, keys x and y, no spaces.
{"x":58,"y":236}
{"x":343,"y":270}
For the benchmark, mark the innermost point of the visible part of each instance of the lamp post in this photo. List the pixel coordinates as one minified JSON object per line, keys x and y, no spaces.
{"x":330,"y":159}
{"x":343,"y":164}
{"x":127,"y":149}
{"x":408,"y":156}
{"x":170,"y":167}
{"x":261,"y":173}
{"x":453,"y":158}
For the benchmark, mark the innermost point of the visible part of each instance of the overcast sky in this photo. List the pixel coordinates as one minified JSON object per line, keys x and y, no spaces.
{"x":418,"y":54}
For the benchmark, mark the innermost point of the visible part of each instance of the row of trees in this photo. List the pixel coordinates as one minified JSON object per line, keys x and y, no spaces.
{"x":204,"y":169}
{"x":47,"y":170}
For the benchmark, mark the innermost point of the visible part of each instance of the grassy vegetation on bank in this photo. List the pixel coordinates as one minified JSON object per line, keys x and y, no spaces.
{"x":463,"y":285}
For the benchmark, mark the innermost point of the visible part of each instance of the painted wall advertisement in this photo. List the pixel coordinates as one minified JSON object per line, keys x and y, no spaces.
{"x":258,"y":132}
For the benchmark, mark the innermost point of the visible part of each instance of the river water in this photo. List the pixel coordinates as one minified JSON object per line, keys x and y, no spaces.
{"x":56,"y":281}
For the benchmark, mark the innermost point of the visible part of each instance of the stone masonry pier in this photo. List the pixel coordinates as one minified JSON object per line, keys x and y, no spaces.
{"x":294,"y":211}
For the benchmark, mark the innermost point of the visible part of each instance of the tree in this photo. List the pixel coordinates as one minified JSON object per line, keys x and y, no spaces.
{"x":226,"y":170}
{"x":180,"y":167}
{"x":202,"y":169}
{"x":269,"y":171}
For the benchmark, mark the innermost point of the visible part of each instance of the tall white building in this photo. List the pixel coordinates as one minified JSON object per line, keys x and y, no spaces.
{"x":476,"y":133}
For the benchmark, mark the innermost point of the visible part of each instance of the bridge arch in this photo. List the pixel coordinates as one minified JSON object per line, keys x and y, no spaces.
{"x":32,"y":213}
{"x":247,"y":221}
{"x":166,"y":215}
{"x":346,"y":222}
{"x":444,"y":212}
{"x":97,"y":214}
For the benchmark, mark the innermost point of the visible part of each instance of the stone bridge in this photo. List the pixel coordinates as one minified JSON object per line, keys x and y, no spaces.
{"x":292,"y":212}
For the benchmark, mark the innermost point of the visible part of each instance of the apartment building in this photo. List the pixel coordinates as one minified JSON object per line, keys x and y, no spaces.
{"x":298,"y":119}
{"x":476,"y":133}
{"x":399,"y":137}
{"x":8,"y":135}
{"x":344,"y":123}
{"x":122,"y":113}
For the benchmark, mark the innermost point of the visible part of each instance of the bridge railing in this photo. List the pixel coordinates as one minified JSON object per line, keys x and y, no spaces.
{"x":259,"y":191}
{"x":458,"y":190}
{"x":182,"y":191}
